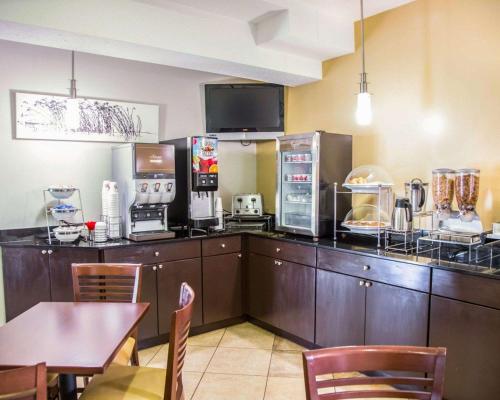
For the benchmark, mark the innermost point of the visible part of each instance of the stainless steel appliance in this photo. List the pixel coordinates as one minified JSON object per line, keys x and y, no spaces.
{"x":308,"y":165}
{"x":247,"y":204}
{"x":145,"y":174}
{"x":196,"y":166}
{"x":402,"y":215}
{"x":416,"y":191}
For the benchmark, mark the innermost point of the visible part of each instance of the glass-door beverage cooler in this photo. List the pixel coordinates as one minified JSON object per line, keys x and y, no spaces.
{"x":308,"y":165}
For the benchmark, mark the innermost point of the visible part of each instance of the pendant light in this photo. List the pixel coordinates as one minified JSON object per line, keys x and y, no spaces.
{"x":72,"y":116}
{"x":364,"y":106}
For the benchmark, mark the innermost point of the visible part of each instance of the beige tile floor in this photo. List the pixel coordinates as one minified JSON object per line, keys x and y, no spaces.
{"x":242,"y":362}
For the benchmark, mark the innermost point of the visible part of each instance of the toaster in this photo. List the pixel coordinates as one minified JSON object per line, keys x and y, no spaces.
{"x":247,"y":204}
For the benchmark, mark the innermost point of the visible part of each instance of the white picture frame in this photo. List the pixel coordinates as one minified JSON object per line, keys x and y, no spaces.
{"x":56,"y":117}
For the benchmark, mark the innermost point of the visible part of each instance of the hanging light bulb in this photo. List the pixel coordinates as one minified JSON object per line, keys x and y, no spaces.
{"x":72,"y":115}
{"x":364,"y":105}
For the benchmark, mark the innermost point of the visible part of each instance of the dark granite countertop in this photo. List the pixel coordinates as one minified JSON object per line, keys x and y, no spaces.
{"x":351,"y":244}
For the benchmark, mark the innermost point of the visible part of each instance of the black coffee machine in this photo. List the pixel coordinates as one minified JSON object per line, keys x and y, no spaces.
{"x":197,"y":174}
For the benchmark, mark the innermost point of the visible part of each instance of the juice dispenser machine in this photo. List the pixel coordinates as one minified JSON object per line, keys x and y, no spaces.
{"x":145,"y":174}
{"x":197,"y":169}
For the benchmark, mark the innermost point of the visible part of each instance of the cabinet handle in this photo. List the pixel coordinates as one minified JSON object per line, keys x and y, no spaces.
{"x":157,"y":253}
{"x":277,"y":262}
{"x":278,"y":249}
{"x":44,"y":252}
{"x":368,"y":284}
{"x":49,"y":252}
{"x":366,"y":267}
{"x":154,"y":267}
{"x":362,"y":283}
{"x":240,"y":256}
{"x":160,"y":266}
{"x":223,"y":245}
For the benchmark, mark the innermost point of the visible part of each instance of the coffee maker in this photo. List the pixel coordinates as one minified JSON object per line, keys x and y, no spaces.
{"x":196,"y":165}
{"x":145,"y":174}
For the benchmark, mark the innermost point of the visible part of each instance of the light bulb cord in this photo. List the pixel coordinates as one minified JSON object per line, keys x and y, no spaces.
{"x":72,"y":89}
{"x":363,"y":84}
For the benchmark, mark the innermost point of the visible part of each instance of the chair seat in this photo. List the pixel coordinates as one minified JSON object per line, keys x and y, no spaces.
{"x":125,"y":353}
{"x":127,"y":383}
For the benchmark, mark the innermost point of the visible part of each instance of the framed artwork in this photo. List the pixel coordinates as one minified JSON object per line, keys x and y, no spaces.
{"x":55,"y":117}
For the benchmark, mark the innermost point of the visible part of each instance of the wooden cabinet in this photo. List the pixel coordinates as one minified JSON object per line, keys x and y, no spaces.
{"x":60,"y":260}
{"x":283,"y":250}
{"x":170,"y":276}
{"x":383,"y":270}
{"x":262,"y":289}
{"x":26,"y":278}
{"x":222,"y":245}
{"x":42,"y":273}
{"x":354,"y":311}
{"x":282,"y":294}
{"x":340,"y":310}
{"x":148,"y":328}
{"x":471,"y":335}
{"x":296,"y":299}
{"x":395,"y":316}
{"x":222,"y":287}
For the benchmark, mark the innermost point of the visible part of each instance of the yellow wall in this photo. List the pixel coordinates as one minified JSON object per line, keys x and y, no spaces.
{"x":428,"y":60}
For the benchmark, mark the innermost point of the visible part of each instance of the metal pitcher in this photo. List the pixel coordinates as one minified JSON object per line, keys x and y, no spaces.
{"x":402,"y":215}
{"x":416,"y":192}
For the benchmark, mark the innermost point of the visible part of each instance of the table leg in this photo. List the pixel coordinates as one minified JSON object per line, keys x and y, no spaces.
{"x":67,"y":387}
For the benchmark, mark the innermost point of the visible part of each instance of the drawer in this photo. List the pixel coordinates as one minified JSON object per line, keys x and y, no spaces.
{"x":472,"y":289}
{"x":293,"y":252}
{"x":387,"y":271}
{"x":154,"y":253}
{"x":129,"y":254}
{"x":223,"y":245}
{"x":172,"y":251}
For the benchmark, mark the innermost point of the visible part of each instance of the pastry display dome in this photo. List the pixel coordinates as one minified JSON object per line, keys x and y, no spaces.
{"x":365,"y":219}
{"x":368,"y":178}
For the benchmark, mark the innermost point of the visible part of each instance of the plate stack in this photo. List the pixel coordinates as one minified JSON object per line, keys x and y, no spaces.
{"x":100,"y":234}
{"x":113,"y":210}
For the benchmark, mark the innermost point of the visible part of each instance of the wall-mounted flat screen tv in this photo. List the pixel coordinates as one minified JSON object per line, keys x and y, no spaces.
{"x":244,"y":108}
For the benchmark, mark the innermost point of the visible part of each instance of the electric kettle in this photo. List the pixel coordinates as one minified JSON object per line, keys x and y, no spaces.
{"x":402,"y":215}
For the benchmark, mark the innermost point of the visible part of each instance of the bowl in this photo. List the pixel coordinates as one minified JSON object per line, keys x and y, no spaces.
{"x":64,"y":212}
{"x":67,"y":233}
{"x":61,"y":192}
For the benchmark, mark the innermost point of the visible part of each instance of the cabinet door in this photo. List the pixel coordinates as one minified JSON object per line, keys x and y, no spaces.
{"x":26,"y":278}
{"x":60,"y":260}
{"x":296,"y":307}
{"x":222,"y":287}
{"x":395,"y":316}
{"x":148,"y":327}
{"x":340,"y":310}
{"x":170,"y":276}
{"x":471,"y":335}
{"x":263,"y":289}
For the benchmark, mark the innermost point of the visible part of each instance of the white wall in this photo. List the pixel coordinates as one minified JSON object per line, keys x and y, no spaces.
{"x":28,"y":166}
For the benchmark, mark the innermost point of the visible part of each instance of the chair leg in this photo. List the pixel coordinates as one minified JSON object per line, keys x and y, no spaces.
{"x":134,"y":360}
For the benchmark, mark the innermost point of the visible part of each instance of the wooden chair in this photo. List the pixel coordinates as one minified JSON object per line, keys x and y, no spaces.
{"x":426,"y":361}
{"x":110,"y":283}
{"x":24,"y":383}
{"x":143,"y":383}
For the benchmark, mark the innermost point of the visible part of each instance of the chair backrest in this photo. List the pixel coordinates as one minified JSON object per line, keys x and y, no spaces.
{"x":177,"y":346}
{"x":427,"y":384}
{"x":24,"y":383}
{"x":107,"y":282}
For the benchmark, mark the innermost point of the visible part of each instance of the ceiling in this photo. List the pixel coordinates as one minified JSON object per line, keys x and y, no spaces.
{"x":281,"y":41}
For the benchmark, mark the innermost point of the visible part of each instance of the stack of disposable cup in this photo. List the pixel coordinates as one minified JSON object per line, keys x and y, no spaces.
{"x":104,"y":199}
{"x":113,"y":211}
{"x":219,"y":213}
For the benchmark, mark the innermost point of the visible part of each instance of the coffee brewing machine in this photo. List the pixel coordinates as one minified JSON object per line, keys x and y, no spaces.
{"x":145,"y":174}
{"x":196,"y":165}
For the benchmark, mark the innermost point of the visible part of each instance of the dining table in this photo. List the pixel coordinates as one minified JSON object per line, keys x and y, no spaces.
{"x":71,"y":338}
